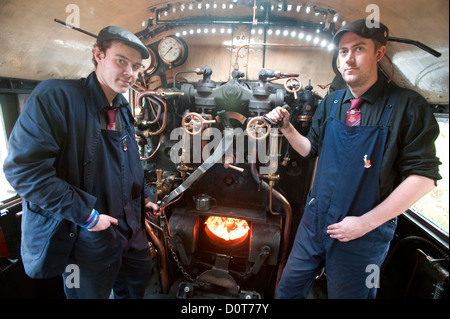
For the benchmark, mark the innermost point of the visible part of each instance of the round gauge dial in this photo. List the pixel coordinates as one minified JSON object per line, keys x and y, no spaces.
{"x":149,"y":64}
{"x":146,"y":63}
{"x":170,"y":49}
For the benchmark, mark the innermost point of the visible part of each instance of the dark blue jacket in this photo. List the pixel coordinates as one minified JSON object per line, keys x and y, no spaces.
{"x":50,"y":164}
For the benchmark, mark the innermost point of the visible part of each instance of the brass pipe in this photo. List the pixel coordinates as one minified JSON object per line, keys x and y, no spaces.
{"x":163,"y":126}
{"x":163,"y":270}
{"x":156,"y":150}
{"x":286,"y":232}
{"x":139,"y":103}
{"x":288,"y":219}
{"x":152,"y":95}
{"x":270,"y":201}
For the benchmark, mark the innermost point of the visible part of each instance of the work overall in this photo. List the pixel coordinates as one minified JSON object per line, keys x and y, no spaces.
{"x":346,"y":184}
{"x":117,"y":256}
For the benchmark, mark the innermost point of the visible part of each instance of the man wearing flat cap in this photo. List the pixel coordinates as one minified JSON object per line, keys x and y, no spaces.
{"x":376,"y":157}
{"x":80,"y":177}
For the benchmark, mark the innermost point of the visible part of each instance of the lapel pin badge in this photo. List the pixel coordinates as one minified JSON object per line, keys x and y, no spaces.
{"x":124,"y":144}
{"x":366,"y":162}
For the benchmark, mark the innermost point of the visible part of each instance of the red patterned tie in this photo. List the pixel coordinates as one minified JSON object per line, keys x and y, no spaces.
{"x":354,"y":113}
{"x":111,"y":119}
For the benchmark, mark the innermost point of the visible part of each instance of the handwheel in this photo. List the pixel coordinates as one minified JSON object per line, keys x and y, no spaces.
{"x":293,"y":85}
{"x":193,"y":123}
{"x":257,"y":128}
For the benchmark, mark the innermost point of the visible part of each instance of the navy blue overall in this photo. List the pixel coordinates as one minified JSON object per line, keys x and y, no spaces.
{"x":117,"y":257}
{"x":346,"y":184}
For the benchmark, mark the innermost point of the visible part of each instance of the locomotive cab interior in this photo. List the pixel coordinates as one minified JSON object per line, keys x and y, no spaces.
{"x":214,"y":69}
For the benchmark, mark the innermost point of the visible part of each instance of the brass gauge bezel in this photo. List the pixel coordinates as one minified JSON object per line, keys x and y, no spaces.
{"x":171,"y":49}
{"x":151,"y":63}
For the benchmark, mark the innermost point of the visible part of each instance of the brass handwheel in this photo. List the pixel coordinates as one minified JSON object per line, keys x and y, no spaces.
{"x":293,"y":85}
{"x":194,"y":123}
{"x":257,"y":128}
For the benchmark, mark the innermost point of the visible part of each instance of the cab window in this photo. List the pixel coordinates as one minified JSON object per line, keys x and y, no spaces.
{"x":435,"y":205}
{"x":6,"y":191}
{"x":13,"y":96}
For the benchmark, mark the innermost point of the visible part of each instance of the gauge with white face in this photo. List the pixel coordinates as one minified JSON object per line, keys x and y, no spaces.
{"x":150,"y":64}
{"x":146,"y":63}
{"x":170,"y":49}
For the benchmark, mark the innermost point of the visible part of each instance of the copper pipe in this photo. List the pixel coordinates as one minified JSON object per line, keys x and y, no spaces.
{"x":158,"y":113}
{"x":136,"y":86}
{"x":163,"y":126}
{"x":154,"y":152}
{"x":286,"y":232}
{"x":288,"y":220}
{"x":152,"y":95}
{"x":163,"y":270}
{"x":270,"y":201}
{"x":140,"y":99}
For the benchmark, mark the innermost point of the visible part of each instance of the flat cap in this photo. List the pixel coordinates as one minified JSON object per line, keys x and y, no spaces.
{"x":366,"y":29}
{"x":120,"y":34}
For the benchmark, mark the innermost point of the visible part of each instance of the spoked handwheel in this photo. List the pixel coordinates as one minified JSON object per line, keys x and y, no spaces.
{"x":293,"y":85}
{"x":257,"y":128}
{"x":194,"y":123}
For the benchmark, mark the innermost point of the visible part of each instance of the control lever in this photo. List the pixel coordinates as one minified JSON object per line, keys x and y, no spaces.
{"x":273,"y":123}
{"x":224,"y":145}
{"x":224,"y":119}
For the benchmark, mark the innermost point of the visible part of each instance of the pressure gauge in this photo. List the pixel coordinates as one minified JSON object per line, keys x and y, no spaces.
{"x":150,"y":64}
{"x":146,"y":63}
{"x":171,"y":50}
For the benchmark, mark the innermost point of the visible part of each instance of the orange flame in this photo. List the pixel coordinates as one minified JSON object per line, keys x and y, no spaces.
{"x":227,"y":228}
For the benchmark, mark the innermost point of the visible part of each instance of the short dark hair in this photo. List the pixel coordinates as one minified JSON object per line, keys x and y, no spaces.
{"x":103,"y":46}
{"x":378,"y":44}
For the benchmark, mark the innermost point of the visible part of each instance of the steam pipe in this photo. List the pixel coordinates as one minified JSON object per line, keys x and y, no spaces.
{"x":164,"y":104}
{"x":154,"y":152}
{"x":152,"y":95}
{"x":162,"y":258}
{"x":206,"y":71}
{"x":149,"y":94}
{"x":286,"y":232}
{"x":288,"y":218}
{"x":418,"y":44}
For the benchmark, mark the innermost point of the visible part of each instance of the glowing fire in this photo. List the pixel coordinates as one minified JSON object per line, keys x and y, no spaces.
{"x":227,"y":228}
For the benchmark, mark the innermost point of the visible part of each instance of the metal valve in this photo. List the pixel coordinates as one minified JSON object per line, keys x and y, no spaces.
{"x":194,"y":123}
{"x":293,"y":85}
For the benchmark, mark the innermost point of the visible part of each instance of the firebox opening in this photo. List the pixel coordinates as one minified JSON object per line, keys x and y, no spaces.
{"x":226,"y":228}
{"x":226,"y":234}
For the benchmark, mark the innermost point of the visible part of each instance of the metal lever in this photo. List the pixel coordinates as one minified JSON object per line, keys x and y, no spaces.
{"x":273,"y":123}
{"x":224,"y":119}
{"x":263,"y":254}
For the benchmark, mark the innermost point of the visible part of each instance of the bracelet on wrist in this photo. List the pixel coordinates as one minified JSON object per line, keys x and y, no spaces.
{"x":92,"y":220}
